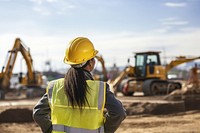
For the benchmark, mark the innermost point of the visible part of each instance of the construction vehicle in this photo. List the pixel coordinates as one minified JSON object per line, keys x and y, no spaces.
{"x":148,"y":75}
{"x":33,"y":80}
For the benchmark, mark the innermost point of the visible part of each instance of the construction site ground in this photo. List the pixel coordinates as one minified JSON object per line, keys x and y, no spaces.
{"x":144,"y":114}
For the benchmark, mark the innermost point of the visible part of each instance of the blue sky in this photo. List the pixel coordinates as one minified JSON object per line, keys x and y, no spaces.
{"x":116,"y":27}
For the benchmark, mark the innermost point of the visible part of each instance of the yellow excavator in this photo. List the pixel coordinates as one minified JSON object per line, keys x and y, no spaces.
{"x":104,"y":71}
{"x":33,"y":81}
{"x":148,"y":75}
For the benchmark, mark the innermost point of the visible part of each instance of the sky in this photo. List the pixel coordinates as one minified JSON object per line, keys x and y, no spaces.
{"x":117,"y":28}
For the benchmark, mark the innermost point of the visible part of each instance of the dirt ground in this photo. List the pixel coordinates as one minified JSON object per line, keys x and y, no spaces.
{"x":18,"y":119}
{"x":186,"y":122}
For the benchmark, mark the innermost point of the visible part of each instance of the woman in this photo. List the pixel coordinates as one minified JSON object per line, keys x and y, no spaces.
{"x":76,"y":103}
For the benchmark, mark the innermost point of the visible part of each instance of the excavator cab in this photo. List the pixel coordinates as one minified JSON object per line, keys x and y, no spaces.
{"x":145,"y":63}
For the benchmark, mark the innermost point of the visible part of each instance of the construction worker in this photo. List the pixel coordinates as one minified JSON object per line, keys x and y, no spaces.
{"x":77,"y":103}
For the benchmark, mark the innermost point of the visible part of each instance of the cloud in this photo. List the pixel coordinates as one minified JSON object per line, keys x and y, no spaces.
{"x":51,"y":7}
{"x":171,"y":24}
{"x":173,"y":21}
{"x":175,"y":44}
{"x":39,"y":2}
{"x":173,"y":4}
{"x":42,"y":10}
{"x":164,"y":29}
{"x":114,"y":47}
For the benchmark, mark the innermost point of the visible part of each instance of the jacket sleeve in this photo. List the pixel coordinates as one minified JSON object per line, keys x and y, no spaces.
{"x":41,"y":114}
{"x":115,"y":112}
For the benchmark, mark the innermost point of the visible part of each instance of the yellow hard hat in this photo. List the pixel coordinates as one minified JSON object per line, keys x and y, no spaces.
{"x":79,"y":51}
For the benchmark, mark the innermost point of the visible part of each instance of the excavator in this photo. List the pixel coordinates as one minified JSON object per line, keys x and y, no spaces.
{"x":33,"y":81}
{"x":104,"y":71}
{"x":148,"y":75}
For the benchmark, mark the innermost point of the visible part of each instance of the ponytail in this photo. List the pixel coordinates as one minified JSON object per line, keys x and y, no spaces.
{"x":76,"y":87}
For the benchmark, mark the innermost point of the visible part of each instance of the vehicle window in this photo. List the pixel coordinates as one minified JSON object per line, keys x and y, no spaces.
{"x":140,"y":60}
{"x":152,"y":59}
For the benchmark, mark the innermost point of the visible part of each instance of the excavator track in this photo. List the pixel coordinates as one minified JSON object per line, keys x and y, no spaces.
{"x":159,"y":87}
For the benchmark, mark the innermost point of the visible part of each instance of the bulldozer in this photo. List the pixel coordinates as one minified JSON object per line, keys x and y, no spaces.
{"x":33,"y":80}
{"x":148,"y":75}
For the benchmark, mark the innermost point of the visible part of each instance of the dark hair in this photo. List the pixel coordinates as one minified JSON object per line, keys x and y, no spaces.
{"x":76,"y":87}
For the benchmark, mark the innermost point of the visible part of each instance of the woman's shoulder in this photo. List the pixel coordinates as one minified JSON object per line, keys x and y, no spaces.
{"x":60,"y":80}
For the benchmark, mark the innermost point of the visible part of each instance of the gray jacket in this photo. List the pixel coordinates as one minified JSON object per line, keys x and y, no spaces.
{"x":114,"y":116}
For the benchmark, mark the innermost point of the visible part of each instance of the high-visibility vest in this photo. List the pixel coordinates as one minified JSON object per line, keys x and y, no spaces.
{"x":66,"y":119}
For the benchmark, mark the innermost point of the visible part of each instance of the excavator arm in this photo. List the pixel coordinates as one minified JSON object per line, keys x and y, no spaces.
{"x":104,"y":71}
{"x":6,"y":74}
{"x":118,"y":80}
{"x":179,"y":60}
{"x":113,"y":84}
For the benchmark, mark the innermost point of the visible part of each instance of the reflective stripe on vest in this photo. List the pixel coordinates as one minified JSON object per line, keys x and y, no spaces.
{"x":66,"y":129}
{"x":49,"y":91}
{"x":66,"y":119}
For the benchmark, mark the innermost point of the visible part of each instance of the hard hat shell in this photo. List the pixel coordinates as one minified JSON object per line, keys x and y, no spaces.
{"x":79,"y":51}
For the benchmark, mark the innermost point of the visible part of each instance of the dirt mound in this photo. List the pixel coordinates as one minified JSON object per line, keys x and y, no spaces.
{"x":155,"y":108}
{"x":190,"y":94}
{"x":16,"y":115}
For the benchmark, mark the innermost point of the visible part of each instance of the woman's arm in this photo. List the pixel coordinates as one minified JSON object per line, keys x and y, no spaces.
{"x":115,"y":112}
{"x":41,"y":114}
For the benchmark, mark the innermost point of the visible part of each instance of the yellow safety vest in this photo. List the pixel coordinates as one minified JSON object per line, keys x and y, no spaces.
{"x":65,"y":119}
